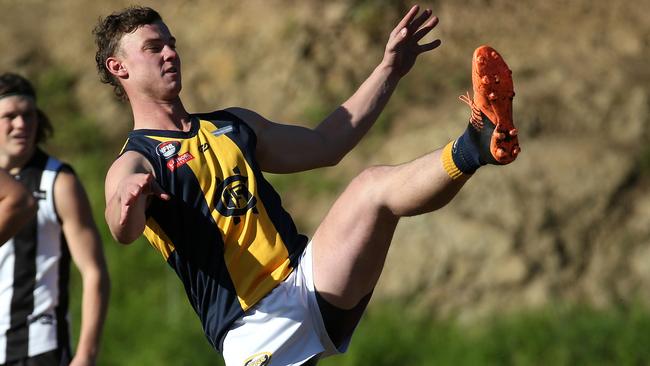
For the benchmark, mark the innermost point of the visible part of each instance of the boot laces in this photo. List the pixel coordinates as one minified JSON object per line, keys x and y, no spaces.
{"x":476,"y":118}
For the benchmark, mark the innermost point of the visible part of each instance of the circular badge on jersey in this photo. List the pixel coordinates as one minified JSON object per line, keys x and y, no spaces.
{"x":168,"y":149}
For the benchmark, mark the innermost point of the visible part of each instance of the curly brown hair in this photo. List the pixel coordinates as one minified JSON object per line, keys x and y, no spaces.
{"x":109,"y":31}
{"x":14,"y":84}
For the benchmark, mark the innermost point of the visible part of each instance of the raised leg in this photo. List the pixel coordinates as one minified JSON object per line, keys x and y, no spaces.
{"x":351,"y":244}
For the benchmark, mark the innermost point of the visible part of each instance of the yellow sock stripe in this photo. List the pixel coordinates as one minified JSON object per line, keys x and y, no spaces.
{"x":448,"y":162}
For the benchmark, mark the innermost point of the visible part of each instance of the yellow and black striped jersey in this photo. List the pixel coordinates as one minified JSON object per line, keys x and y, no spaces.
{"x":224,"y":231}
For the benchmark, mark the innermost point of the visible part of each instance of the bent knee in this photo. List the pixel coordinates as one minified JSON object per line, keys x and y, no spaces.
{"x":371,"y":185}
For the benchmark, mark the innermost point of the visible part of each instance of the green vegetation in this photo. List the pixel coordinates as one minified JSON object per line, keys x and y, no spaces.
{"x":551,"y":336}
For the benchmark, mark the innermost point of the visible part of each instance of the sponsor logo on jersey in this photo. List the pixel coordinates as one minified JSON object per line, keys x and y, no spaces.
{"x":168,"y":149}
{"x":260,"y":359}
{"x":179,"y":161}
{"x":46,"y":319}
{"x":40,"y":194}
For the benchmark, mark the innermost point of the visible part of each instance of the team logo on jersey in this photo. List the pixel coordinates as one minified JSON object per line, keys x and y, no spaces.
{"x":168,"y":149}
{"x":234,"y":198}
{"x":260,"y":359}
{"x":179,"y":161}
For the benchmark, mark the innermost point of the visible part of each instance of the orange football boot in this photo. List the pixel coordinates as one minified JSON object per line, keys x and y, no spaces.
{"x":492,"y":105}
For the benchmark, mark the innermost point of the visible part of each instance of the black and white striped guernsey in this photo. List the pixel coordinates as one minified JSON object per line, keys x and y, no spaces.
{"x":34,"y":273}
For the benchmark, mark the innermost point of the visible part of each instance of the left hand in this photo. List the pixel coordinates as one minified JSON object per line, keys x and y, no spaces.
{"x":402,"y":48}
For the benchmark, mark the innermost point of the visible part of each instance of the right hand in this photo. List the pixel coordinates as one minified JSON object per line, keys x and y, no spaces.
{"x":402,"y":48}
{"x":135,"y":186}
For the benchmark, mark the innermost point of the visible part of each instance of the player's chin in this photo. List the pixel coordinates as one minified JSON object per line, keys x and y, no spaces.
{"x":173,"y":89}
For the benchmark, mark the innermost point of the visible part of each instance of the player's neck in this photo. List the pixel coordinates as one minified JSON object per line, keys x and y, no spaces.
{"x":160,"y":115}
{"x":14,"y":163}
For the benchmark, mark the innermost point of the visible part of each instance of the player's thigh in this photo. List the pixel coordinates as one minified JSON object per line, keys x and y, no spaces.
{"x":351,"y":243}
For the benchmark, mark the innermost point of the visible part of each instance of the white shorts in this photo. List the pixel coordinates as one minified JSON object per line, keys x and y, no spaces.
{"x":285,"y":327}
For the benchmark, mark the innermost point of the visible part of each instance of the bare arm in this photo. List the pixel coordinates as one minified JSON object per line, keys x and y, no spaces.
{"x":129,"y":184}
{"x":285,"y":149}
{"x":16,"y":206}
{"x":86,"y":250}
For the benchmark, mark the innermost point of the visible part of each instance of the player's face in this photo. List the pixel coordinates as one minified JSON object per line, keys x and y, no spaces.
{"x":150,"y":58}
{"x":18,"y":126}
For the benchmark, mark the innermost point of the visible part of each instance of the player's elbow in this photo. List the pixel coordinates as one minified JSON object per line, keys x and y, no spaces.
{"x":123,"y":232}
{"x":329,"y":161}
{"x":333,"y":157}
{"x":124,"y":236}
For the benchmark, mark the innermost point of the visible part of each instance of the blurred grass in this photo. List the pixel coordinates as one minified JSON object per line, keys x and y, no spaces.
{"x":559,"y":335}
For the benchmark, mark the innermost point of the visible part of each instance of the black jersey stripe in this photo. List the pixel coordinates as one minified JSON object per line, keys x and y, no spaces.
{"x":200,"y":266}
{"x":22,"y":301}
{"x":63,"y":330}
{"x":25,"y":242}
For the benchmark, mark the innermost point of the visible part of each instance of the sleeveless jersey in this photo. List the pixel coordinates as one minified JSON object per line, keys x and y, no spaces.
{"x":34,"y":273}
{"x":224,"y":231}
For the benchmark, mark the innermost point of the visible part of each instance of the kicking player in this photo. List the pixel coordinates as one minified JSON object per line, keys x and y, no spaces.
{"x":193,"y":184}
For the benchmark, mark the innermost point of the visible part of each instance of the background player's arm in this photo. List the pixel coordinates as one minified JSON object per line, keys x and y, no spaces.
{"x":16,"y":206}
{"x":285,"y":149}
{"x":129,"y":183}
{"x":86,"y":250}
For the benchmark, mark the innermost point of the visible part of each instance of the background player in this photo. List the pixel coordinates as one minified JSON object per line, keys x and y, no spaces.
{"x":35,"y":262}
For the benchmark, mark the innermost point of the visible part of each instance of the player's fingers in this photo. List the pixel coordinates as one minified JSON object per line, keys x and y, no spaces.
{"x":429,"y":46}
{"x":123,"y":214}
{"x":406,"y":20}
{"x":417,"y":23}
{"x":129,"y":198}
{"x":159,"y":192}
{"x":425,"y":29}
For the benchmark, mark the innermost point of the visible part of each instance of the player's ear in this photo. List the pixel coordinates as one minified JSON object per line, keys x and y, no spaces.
{"x":116,"y":67}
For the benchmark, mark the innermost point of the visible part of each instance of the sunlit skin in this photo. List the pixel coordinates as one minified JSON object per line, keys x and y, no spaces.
{"x":18,"y":126}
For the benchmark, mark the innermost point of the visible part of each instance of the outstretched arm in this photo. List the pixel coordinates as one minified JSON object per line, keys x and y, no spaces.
{"x":16,"y":206}
{"x":87,"y":253}
{"x":286,"y":149}
{"x":129,"y":185}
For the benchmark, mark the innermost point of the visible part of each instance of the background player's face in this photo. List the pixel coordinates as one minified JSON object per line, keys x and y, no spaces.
{"x":151,"y":61}
{"x":18,"y":126}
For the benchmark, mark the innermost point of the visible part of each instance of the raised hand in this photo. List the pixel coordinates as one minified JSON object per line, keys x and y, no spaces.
{"x":402,"y":48}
